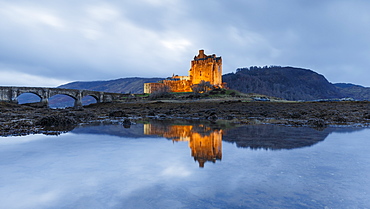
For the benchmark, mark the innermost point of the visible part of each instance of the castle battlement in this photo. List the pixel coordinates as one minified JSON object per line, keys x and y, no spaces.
{"x":204,"y":57}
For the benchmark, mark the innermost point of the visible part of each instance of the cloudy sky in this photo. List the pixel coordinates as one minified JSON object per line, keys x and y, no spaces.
{"x":48,"y":43}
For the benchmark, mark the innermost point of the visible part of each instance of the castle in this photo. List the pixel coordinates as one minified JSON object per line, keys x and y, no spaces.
{"x":204,"y":67}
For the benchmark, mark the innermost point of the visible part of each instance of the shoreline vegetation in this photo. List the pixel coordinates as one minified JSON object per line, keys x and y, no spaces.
{"x":230,"y":108}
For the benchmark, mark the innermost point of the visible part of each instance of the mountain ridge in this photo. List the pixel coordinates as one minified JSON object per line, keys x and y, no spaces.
{"x":354,"y":91}
{"x":290,"y":83}
{"x":133,"y":85}
{"x":285,"y":82}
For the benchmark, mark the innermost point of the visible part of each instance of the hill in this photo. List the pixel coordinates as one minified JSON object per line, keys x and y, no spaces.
{"x":356,"y":92}
{"x":133,"y":85}
{"x":285,"y":82}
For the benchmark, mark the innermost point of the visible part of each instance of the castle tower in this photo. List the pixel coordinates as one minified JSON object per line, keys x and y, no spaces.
{"x":206,"y":68}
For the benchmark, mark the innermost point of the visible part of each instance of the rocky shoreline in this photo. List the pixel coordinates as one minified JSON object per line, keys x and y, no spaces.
{"x":29,"y":119}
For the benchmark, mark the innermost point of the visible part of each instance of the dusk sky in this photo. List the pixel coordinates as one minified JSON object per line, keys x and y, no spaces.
{"x":49,"y":43}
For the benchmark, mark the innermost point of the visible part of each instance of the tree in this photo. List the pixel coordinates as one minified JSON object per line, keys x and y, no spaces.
{"x":202,"y":87}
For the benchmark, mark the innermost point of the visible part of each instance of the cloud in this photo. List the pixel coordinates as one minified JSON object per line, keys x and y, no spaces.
{"x":11,"y":78}
{"x":45,"y":174}
{"x":99,"y":40}
{"x":176,"y":171}
{"x":30,"y":16}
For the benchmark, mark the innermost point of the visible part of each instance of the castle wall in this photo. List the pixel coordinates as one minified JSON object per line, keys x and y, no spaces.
{"x":178,"y":86}
{"x":152,"y":87}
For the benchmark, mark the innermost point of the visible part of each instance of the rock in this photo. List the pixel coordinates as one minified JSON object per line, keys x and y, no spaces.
{"x":229,"y":117}
{"x":118,"y":113}
{"x":213,"y":117}
{"x":366,"y":115}
{"x":212,"y":113}
{"x":319,"y":123}
{"x":56,"y":120}
{"x":340,"y":119}
{"x":126,"y":123}
{"x":294,"y":115}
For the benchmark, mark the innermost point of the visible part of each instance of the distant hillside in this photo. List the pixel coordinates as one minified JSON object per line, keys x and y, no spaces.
{"x":346,"y":85}
{"x":354,"y":91}
{"x":285,"y":82}
{"x":123,"y":85}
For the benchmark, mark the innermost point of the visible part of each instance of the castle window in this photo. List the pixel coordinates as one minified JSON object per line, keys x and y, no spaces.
{"x":200,"y":73}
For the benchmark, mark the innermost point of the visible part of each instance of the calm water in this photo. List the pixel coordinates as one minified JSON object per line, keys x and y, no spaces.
{"x":187,"y":166}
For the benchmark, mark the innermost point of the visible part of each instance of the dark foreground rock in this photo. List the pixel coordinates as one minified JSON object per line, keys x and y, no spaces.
{"x":56,"y":121}
{"x":21,"y":119}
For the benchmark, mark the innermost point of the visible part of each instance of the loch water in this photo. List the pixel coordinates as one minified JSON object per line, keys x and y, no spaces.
{"x":186,"y":165}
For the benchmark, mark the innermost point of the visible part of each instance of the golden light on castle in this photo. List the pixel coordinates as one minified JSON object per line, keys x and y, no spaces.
{"x":204,"y":67}
{"x":205,"y":143}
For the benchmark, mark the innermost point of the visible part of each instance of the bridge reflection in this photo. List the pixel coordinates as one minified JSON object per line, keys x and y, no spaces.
{"x":205,"y":143}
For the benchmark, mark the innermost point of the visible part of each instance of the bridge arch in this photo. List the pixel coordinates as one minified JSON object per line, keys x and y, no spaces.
{"x":72,"y":95}
{"x":89,"y":99}
{"x":98,"y":96}
{"x":41,"y":93}
{"x":62,"y":100}
{"x":28,"y":97}
{"x":93,"y":96}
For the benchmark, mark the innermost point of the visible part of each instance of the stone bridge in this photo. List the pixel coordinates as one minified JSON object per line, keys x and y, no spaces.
{"x":11,"y":94}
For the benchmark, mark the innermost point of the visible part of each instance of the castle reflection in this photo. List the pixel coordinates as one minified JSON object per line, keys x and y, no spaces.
{"x":205,"y":143}
{"x":205,"y":140}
